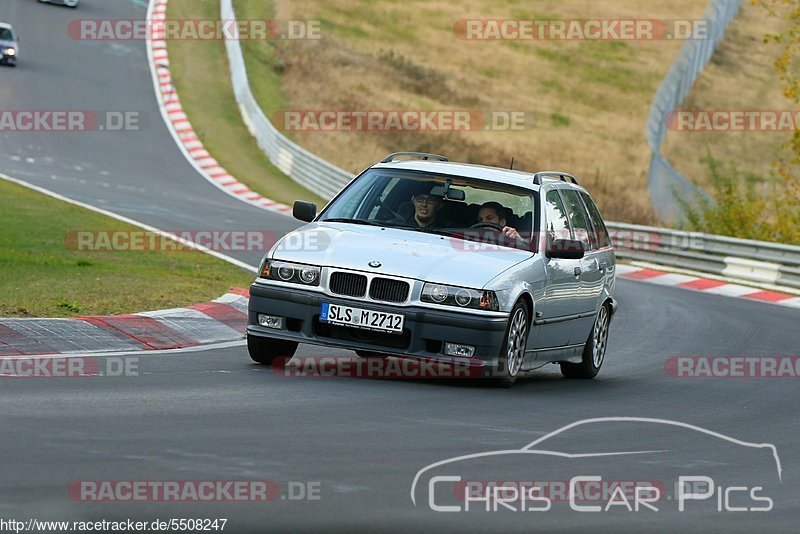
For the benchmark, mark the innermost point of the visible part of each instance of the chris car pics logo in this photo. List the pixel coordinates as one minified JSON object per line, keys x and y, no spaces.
{"x":564,"y":470}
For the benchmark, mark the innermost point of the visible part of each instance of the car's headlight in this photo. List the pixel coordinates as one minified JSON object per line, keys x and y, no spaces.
{"x":460,"y":297}
{"x":284,"y":271}
{"x":9,"y":52}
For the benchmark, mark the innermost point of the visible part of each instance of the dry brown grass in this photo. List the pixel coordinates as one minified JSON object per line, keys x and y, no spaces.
{"x":590,"y":99}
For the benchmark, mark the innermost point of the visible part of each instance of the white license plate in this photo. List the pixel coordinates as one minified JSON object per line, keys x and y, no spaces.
{"x":360,"y":318}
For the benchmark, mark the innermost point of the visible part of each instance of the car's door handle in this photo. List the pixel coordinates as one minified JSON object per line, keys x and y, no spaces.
{"x":578,"y":271}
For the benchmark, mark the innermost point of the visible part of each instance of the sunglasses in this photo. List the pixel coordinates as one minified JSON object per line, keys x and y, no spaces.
{"x":420,"y":199}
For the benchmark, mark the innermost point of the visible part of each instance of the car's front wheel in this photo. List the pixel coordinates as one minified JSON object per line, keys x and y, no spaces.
{"x":512,"y":351}
{"x":595,"y":350}
{"x":265,"y":350}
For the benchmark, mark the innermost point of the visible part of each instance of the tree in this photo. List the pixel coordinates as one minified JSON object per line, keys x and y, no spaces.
{"x":787,"y":209}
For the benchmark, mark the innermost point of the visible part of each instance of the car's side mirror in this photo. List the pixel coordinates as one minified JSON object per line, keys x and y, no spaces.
{"x":566,"y":249}
{"x":304,"y":211}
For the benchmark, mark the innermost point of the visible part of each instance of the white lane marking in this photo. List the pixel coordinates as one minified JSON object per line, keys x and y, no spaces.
{"x":230,"y":297}
{"x":133,"y":222}
{"x":194,"y":325}
{"x":671,"y":279}
{"x":731,"y":290}
{"x":623,"y":269}
{"x":793,"y":302}
{"x":195,"y":348}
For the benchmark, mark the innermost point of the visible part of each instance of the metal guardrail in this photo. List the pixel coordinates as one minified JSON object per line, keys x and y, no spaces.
{"x":742,"y":259}
{"x":747,"y":260}
{"x":312,"y":172}
{"x":664,"y":182}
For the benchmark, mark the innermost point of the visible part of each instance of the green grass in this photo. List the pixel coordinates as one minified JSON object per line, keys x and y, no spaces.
{"x":41,"y":276}
{"x":600,"y":63}
{"x":559,"y":119}
{"x":202,"y":81}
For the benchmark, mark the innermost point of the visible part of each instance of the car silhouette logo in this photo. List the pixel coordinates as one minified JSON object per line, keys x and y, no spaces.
{"x":538,"y":448}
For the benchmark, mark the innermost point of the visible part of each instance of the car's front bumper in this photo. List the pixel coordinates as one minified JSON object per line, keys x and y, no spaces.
{"x":424,"y":330}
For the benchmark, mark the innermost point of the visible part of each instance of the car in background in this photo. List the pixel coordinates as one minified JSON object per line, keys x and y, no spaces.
{"x":68,"y":3}
{"x":9,"y":45}
{"x":367,"y":277}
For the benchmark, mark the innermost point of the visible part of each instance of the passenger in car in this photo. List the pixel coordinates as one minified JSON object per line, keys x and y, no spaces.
{"x":494,"y":212}
{"x":427,"y":209}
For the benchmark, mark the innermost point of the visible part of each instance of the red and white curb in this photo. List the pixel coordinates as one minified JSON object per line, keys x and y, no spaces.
{"x":706,"y":285}
{"x":180,"y":126}
{"x":223,"y":319}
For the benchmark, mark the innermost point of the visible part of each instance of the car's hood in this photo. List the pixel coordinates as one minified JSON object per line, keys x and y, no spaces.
{"x":8,"y":44}
{"x":405,"y":253}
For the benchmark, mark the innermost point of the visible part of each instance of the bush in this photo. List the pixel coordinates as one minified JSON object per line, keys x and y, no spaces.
{"x":744,"y":205}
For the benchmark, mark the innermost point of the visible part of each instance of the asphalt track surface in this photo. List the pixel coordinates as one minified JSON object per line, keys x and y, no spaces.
{"x":213,"y":415}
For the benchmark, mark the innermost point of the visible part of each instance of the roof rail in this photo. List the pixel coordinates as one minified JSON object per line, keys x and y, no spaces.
{"x":537,"y":177}
{"x":420,"y":155}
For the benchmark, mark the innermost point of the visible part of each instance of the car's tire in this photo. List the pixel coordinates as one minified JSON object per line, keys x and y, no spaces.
{"x":265,"y":350}
{"x":595,"y":350}
{"x":512,"y":351}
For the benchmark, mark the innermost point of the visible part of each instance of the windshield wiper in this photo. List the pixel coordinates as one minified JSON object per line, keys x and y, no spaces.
{"x":354,"y":221}
{"x":385,"y":224}
{"x":440,"y":231}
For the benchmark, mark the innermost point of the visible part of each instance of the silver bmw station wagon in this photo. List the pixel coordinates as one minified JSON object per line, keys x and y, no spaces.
{"x":498,"y":270}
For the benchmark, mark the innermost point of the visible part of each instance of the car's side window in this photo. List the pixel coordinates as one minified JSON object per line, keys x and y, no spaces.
{"x":556,"y":223}
{"x":579,"y":219}
{"x":601,"y":233}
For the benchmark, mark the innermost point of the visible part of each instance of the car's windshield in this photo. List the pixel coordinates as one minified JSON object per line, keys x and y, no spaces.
{"x":6,"y":35}
{"x":461,"y":207}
